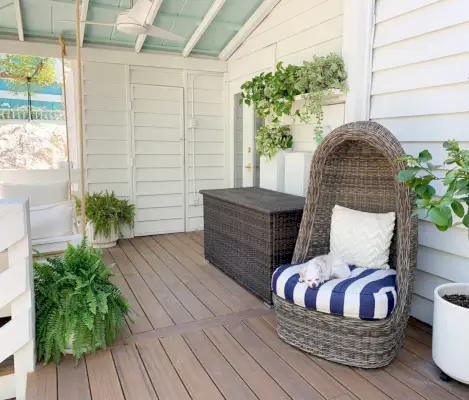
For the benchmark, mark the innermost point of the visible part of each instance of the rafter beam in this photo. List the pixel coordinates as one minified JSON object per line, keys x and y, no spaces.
{"x":209,"y":17}
{"x":19,"y":20}
{"x":252,"y":23}
{"x":150,"y":18}
{"x":83,"y":16}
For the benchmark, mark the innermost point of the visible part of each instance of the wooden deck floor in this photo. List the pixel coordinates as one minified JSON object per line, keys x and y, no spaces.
{"x":199,"y":335}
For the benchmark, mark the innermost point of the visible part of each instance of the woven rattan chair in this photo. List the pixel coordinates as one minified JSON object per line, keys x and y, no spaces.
{"x":354,"y":167}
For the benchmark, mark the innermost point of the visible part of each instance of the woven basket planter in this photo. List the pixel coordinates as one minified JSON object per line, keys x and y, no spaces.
{"x":100,"y":241}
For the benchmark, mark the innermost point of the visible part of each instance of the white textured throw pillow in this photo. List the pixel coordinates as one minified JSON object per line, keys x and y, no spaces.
{"x":360,"y":238}
{"x":38,"y":193}
{"x":53,"y":220}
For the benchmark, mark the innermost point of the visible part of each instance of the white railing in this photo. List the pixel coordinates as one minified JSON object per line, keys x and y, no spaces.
{"x":23,"y":114}
{"x":17,"y":290}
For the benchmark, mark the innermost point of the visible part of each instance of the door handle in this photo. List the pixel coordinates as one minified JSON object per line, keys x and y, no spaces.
{"x":248,"y":167}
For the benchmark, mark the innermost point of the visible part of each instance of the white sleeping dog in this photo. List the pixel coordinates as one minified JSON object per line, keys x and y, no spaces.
{"x":323,"y":268}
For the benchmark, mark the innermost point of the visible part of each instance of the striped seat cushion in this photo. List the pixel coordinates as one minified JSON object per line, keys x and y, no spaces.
{"x":367,"y":294}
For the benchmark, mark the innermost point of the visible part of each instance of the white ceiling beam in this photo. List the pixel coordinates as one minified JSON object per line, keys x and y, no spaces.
{"x":252,"y":23}
{"x":150,"y":18}
{"x":19,"y":20}
{"x":209,"y":17}
{"x":83,"y":16}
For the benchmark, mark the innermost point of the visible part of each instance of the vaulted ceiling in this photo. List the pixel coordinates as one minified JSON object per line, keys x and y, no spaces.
{"x":44,"y":19}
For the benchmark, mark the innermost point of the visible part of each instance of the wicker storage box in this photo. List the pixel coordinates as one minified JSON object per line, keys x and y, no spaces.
{"x":249,"y":232}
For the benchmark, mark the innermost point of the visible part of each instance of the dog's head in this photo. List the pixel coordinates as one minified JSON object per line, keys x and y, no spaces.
{"x":312,"y":274}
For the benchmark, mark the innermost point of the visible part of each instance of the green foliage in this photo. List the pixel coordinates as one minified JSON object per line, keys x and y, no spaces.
{"x":273,"y":94}
{"x":272,"y":138}
{"x":76,"y":304}
{"x":316,"y":77}
{"x":16,"y":68}
{"x":421,"y":172}
{"x":107,"y":212}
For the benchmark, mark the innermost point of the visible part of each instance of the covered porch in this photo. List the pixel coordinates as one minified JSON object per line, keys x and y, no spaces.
{"x":198,"y":334}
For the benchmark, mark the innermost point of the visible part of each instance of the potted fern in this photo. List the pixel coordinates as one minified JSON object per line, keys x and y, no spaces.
{"x":78,"y":309}
{"x":106,"y":215}
{"x":451,"y":305}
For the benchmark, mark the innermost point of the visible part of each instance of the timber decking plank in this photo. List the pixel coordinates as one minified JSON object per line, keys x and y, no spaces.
{"x":418,"y":348}
{"x":303,"y":365}
{"x":232,"y":286}
{"x":417,"y":382}
{"x":132,"y":374}
{"x":255,"y":377}
{"x":42,"y":384}
{"x":421,"y":325}
{"x":211,"y":283}
{"x":212,"y":302}
{"x":419,"y":335}
{"x":102,"y":375}
{"x":284,"y":375}
{"x":140,"y":321}
{"x":163,"y":294}
{"x":432,"y":372}
{"x":196,"y":238}
{"x":73,"y":380}
{"x":197,"y":382}
{"x":223,"y":375}
{"x":164,"y":377}
{"x":125,"y":266}
{"x":191,"y":243}
{"x":184,"y":295}
{"x":150,"y":305}
{"x":388,"y":384}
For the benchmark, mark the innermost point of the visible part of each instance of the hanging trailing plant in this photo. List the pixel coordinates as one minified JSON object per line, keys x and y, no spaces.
{"x":272,"y":138}
{"x":315,"y":79}
{"x":271,"y":94}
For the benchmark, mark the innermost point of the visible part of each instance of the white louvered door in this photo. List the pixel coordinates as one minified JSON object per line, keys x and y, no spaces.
{"x":158,"y":159}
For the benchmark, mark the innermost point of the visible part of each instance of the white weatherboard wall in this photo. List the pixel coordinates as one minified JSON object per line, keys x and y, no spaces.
{"x":115,"y":118}
{"x":293,"y":32}
{"x":420,"y":91}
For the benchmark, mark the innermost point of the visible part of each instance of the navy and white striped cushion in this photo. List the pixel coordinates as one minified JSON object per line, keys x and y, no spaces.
{"x":367,"y":294}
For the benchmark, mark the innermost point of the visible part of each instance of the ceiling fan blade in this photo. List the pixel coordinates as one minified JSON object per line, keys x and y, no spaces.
{"x":163,"y":34}
{"x":140,"y":11}
{"x":92,"y":23}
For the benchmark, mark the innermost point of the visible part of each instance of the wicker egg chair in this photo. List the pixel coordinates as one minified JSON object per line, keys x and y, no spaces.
{"x":354,"y":167}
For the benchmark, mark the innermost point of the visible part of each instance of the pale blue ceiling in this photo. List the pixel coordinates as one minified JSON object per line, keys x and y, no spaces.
{"x":43,"y":18}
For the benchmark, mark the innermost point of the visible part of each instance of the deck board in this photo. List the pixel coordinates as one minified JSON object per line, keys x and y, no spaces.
{"x":199,"y":335}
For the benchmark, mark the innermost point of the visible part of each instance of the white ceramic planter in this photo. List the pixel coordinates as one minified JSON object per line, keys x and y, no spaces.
{"x":272,"y":174}
{"x":101,"y":241}
{"x":450,"y":333}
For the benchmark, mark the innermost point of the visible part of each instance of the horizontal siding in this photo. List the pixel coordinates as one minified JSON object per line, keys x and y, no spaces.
{"x":420,"y":91}
{"x":106,"y":128}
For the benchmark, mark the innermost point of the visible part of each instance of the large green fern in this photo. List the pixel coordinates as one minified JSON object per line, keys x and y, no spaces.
{"x":76,"y":304}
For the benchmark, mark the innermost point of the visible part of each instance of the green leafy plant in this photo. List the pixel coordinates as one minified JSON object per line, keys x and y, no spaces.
{"x":271,"y":94}
{"x":420,"y":174}
{"x":77,"y":307}
{"x":314,"y":79}
{"x":107,"y":212}
{"x":272,"y":138}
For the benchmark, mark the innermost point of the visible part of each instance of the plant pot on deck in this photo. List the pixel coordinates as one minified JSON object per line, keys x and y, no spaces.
{"x":451,"y":333}
{"x":99,"y":240}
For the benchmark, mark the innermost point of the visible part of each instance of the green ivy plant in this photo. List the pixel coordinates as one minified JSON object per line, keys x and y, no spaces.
{"x":314,"y":78}
{"x":271,"y":94}
{"x":77,"y":308}
{"x":107,"y":212}
{"x":420,"y":174}
{"x":272,"y":138}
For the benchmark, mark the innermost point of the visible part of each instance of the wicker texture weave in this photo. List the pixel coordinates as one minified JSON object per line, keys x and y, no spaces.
{"x":249,"y":232}
{"x":354,"y":167}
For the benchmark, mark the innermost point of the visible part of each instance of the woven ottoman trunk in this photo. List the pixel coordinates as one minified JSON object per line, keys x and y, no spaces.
{"x":249,"y":232}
